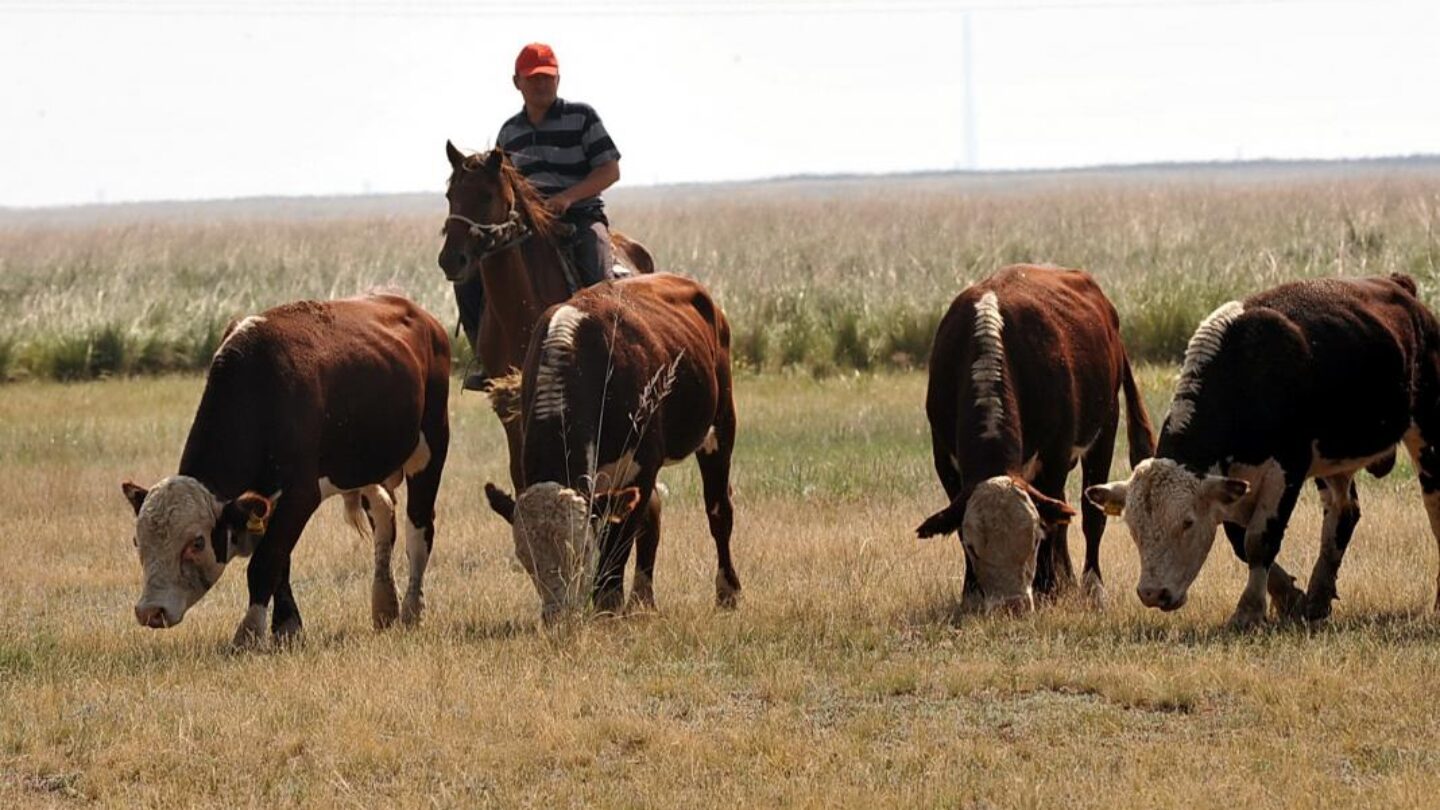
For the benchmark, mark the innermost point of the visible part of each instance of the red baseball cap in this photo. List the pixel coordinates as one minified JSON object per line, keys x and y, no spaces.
{"x":537,"y":57}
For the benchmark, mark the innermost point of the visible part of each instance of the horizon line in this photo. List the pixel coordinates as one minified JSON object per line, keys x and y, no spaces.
{"x":1218,"y":164}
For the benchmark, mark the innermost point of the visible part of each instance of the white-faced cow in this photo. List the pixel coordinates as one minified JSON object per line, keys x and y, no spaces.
{"x":1314,"y":379}
{"x":620,"y":380}
{"x":1025,"y":376}
{"x":303,"y":401}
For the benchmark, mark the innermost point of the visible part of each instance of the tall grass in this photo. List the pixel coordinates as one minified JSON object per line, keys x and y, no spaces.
{"x":816,"y":275}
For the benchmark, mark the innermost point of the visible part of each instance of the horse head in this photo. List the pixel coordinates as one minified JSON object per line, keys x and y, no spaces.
{"x":491,"y":209}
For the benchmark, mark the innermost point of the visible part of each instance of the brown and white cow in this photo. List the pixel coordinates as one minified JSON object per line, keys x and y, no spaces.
{"x":1313,"y":379}
{"x":303,"y":401}
{"x":1024,"y":380}
{"x":622,"y":379}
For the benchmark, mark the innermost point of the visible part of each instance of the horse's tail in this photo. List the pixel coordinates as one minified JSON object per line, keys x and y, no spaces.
{"x":632,"y":254}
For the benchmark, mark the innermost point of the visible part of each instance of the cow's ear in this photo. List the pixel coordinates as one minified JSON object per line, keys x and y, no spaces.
{"x":943,"y":522}
{"x":250,"y":512}
{"x":134,"y":493}
{"x":1052,"y":512}
{"x":616,"y":505}
{"x":501,"y":502}
{"x":455,"y":156}
{"x":1109,"y":497}
{"x":1221,"y":490}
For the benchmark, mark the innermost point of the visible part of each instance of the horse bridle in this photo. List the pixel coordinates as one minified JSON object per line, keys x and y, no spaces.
{"x":496,"y":236}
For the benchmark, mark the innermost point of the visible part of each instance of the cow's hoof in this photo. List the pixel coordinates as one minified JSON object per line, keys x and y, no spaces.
{"x":245,"y":640}
{"x":609,"y":602}
{"x":251,"y":632}
{"x":642,"y":594}
{"x":641,"y":602}
{"x":1244,"y":619}
{"x":412,"y":609}
{"x":1317,"y":610}
{"x":1289,"y":601}
{"x":1094,"y":591}
{"x":727,"y":593}
{"x":1290,"y":607}
{"x":289,"y":631}
{"x":383,"y":604}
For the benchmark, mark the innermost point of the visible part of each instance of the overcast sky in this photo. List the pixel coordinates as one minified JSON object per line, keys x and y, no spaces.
{"x":117,"y":100}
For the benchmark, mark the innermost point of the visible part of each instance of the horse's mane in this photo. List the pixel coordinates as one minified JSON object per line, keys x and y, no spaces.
{"x":527,"y":199}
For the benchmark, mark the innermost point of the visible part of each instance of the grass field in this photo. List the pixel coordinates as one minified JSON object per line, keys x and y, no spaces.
{"x":845,"y":678}
{"x":816,"y":275}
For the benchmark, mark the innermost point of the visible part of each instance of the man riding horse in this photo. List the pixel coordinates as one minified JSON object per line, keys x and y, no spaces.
{"x":562,"y":148}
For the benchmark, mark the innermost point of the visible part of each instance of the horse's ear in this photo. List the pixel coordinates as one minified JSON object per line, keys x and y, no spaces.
{"x":494,"y":159}
{"x":455,"y":156}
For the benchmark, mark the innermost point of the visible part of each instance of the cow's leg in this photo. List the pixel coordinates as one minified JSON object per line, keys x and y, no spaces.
{"x":1342,"y":512}
{"x":1274,"y":504}
{"x":379,"y":505}
{"x":1095,"y":469}
{"x":615,"y":543}
{"x":1426,"y":458}
{"x":1289,"y":600}
{"x":647,"y":542}
{"x":1054,"y":573}
{"x":714,"y":460}
{"x":269,"y":567}
{"x":285,"y":621}
{"x":422,"y":486}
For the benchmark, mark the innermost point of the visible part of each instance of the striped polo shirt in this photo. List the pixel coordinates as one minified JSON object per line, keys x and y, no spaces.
{"x":559,"y":153}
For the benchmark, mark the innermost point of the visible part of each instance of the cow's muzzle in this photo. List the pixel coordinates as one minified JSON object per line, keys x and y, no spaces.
{"x":152,"y":616}
{"x":1162,"y":598}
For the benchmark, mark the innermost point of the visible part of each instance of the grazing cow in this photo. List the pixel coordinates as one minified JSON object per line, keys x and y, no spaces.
{"x":1024,"y":381}
{"x":302,"y":402}
{"x":1313,"y":379}
{"x":622,"y":379}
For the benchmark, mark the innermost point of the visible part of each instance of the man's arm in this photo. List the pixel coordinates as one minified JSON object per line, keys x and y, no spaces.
{"x":600,"y":178}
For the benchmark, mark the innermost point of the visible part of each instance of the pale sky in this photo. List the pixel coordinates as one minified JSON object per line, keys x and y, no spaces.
{"x":119,"y":100}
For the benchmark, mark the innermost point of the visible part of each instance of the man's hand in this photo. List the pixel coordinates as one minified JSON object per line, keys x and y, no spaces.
{"x":559,"y":203}
{"x":599,"y":179}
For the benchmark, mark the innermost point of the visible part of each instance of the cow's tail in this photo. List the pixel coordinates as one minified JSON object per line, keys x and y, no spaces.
{"x":1137,"y":422}
{"x":355,"y":513}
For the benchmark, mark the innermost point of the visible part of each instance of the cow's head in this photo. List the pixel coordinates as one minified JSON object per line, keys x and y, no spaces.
{"x":480,"y":198}
{"x":555,"y":530}
{"x":185,"y":536}
{"x":1001,"y":524}
{"x":1172,"y":513}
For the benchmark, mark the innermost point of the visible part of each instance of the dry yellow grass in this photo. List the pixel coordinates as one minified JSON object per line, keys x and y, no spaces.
{"x":842,"y":680}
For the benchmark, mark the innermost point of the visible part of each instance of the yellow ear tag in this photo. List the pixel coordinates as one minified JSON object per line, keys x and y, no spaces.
{"x":255,"y":525}
{"x":1114,"y":509}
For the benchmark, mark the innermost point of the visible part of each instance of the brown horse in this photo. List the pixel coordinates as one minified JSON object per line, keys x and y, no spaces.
{"x":499,"y":227}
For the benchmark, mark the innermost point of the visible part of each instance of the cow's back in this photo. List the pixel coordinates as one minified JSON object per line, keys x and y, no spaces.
{"x":334,"y":389}
{"x":618,"y":354}
{"x":1334,"y":366}
{"x":1062,"y":356}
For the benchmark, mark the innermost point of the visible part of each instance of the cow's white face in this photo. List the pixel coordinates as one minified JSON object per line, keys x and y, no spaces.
{"x":1172,"y":515}
{"x":555,"y":530}
{"x":1001,"y":532}
{"x":174,"y":522}
{"x":555,"y":542}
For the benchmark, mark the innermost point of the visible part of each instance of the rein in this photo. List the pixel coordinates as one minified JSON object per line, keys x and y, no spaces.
{"x":497,"y":236}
